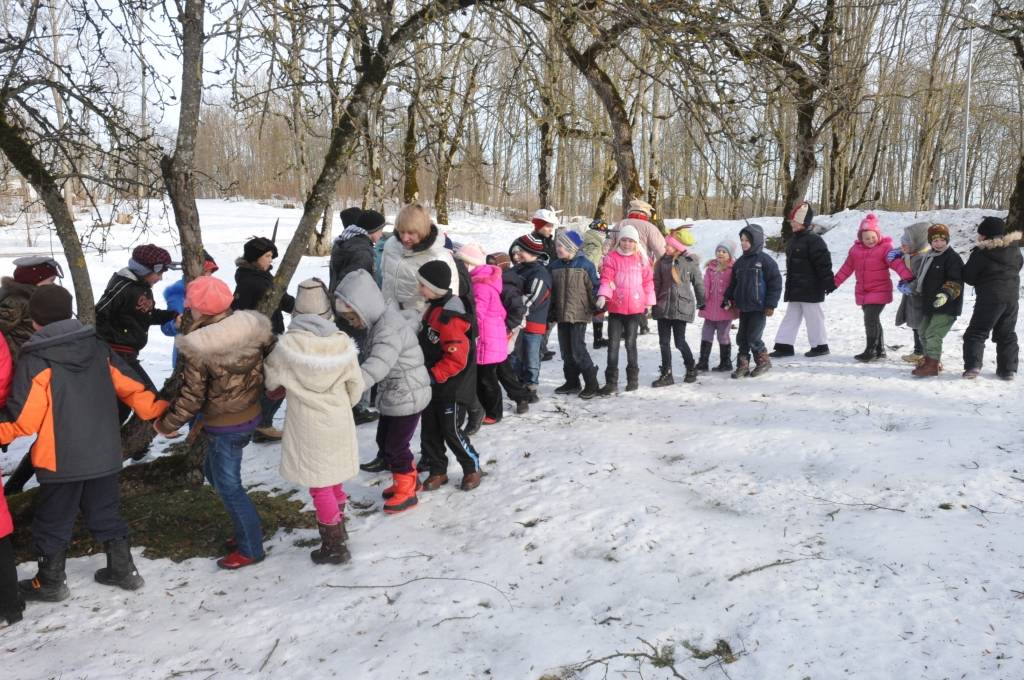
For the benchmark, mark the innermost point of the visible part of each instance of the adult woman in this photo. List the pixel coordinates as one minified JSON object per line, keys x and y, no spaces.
{"x":416,"y":242}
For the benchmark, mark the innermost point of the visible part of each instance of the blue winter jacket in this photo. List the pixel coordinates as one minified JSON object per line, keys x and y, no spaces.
{"x":756,"y":282}
{"x":174,"y":296}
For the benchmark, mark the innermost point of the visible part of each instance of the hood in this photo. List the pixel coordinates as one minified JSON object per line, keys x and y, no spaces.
{"x":312,"y":323}
{"x":317,"y":362}
{"x":226,"y":340}
{"x":246,"y":268}
{"x":68,"y":343}
{"x":15,"y":288}
{"x":359,"y":291}
{"x":487,"y":274}
{"x":916,"y":236}
{"x":754,"y":232}
{"x":1004,"y":241}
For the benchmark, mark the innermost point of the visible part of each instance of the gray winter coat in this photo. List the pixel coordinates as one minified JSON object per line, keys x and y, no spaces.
{"x":393,"y":359}
{"x":678,"y":300}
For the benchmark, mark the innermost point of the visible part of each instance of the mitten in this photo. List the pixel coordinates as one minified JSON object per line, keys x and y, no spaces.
{"x":905,"y":287}
{"x":940,"y":300}
{"x":893,"y":254}
{"x":600,"y":302}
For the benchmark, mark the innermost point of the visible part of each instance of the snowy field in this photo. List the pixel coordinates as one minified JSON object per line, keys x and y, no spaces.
{"x":797,"y":516}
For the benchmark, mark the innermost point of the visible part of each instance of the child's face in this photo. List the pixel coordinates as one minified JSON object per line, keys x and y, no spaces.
{"x":427,"y":293}
{"x":562,"y":253}
{"x":546,"y":229}
{"x":265,"y":261}
{"x":670,"y":250}
{"x":939,"y":244}
{"x":522,"y":257}
{"x":905,"y":248}
{"x":352,"y":319}
{"x":723,"y":256}
{"x":627,"y":245}
{"x":744,"y":242}
{"x":869,"y":238}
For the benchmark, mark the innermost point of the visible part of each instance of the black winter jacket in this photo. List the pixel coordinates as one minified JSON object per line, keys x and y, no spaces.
{"x":944,"y":275}
{"x":126,"y":311}
{"x":993,"y":268}
{"x":251,"y":284}
{"x":808,"y":268}
{"x":348,"y":254}
{"x":512,"y":292}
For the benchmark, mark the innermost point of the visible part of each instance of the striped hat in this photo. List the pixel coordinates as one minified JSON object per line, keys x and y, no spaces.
{"x":530,"y":243}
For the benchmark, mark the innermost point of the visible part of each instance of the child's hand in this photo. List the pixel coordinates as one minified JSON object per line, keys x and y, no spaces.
{"x":726,"y":304}
{"x":905,"y":288}
{"x":940,"y":300}
{"x":768,"y":311}
{"x":600,"y":302}
{"x":893,"y":254}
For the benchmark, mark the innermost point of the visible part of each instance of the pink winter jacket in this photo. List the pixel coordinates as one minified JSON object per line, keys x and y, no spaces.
{"x":868,"y":265}
{"x":715,"y":284}
{"x":627,"y":283}
{"x":492,"y":341}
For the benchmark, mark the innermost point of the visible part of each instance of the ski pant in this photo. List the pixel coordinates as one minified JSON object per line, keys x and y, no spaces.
{"x":667,"y":330}
{"x":508,"y":378}
{"x":328,"y":502}
{"x":572,"y":345}
{"x":712,"y":328}
{"x":10,"y":597}
{"x":933,"y":329}
{"x":623,"y":327}
{"x":394,"y":434}
{"x":488,"y":390}
{"x":441,"y":425}
{"x":748,"y":337}
{"x":59,"y":503}
{"x":999,"y":319}
{"x":873,"y":328}
{"x":813,"y":313}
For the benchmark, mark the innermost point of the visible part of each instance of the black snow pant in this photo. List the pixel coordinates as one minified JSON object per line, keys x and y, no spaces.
{"x":999,"y":319}
{"x":509,"y":379}
{"x":873,"y":329}
{"x":58,"y":504}
{"x":488,"y":390}
{"x":440,"y":424}
{"x":10,"y":598}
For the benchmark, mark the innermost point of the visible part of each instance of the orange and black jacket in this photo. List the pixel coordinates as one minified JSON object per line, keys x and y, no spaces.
{"x":64,"y":391}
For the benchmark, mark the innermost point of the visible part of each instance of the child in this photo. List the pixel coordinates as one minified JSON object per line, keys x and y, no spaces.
{"x":450,"y":357}
{"x":64,"y":391}
{"x":993,"y":268}
{"x":574,"y":283}
{"x":174,"y":297}
{"x":940,"y":287}
{"x":913,"y":247}
{"x":492,"y":340}
{"x":754,"y":291}
{"x":627,"y":289}
{"x":717,"y":320}
{"x":527,"y":252}
{"x":513,"y":297}
{"x":679,"y":290}
{"x":318,"y":368}
{"x":222,"y":379}
{"x":869,"y":263}
{"x":392,"y":360}
{"x":595,"y":244}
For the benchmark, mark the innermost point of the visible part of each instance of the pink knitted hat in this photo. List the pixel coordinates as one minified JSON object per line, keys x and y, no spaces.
{"x":472,"y":254}
{"x":208,"y":296}
{"x":869,"y":223}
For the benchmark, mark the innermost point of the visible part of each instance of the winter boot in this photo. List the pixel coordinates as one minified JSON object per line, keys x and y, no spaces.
{"x":817,"y":351}
{"x":691,"y":374}
{"x":391,"y":490}
{"x":724,"y":359}
{"x":120,"y":570}
{"x":364,"y":414}
{"x":11,"y":602}
{"x":763,"y":363}
{"x":742,"y":367}
{"x":664,"y":377}
{"x":434,"y":482}
{"x":533,"y":397}
{"x":880,"y":347}
{"x":376,"y":465}
{"x":929,"y":368}
{"x":599,"y":339}
{"x":705,"y":356}
{"x":403,"y":493}
{"x":470,"y":480}
{"x":971,"y":373}
{"x":590,"y":386}
{"x":570,"y":386}
{"x":332,"y":548}
{"x":782,"y":350}
{"x":473,"y":421}
{"x":522,"y":406}
{"x":50,"y":583}
{"x":869,"y":353}
{"x":611,"y":383}
{"x":632,"y":379}
{"x":912,"y":358}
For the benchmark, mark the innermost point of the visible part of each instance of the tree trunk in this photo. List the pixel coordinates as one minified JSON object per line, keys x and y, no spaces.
{"x":320,"y":241}
{"x":610,"y":182}
{"x":411,"y":187}
{"x":547,"y":151}
{"x":805,"y":161}
{"x":1015,"y":220}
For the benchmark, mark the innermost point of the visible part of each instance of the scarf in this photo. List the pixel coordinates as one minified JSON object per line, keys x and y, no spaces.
{"x":350,"y":231}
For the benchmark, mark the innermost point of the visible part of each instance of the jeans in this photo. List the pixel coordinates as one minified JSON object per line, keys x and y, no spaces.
{"x":748,"y":337}
{"x":667,"y":329}
{"x":572,"y":345}
{"x":58,"y":504}
{"x":223,"y":469}
{"x":623,"y":327}
{"x":526,"y":361}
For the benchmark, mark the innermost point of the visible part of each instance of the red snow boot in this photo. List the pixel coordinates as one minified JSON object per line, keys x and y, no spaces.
{"x":403,"y":496}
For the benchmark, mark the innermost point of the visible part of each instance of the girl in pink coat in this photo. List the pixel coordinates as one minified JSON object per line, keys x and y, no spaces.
{"x":870,"y":259}
{"x":717,"y":321}
{"x":492,"y":337}
{"x":627,"y":291}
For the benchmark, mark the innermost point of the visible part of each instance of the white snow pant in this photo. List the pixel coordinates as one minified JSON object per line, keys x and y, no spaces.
{"x":811,"y":312}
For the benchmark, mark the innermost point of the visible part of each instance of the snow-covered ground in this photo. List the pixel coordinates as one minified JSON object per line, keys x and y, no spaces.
{"x":607,"y":522}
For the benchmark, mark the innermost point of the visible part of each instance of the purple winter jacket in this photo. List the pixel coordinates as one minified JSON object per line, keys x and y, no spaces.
{"x":492,"y":343}
{"x":715,"y":284}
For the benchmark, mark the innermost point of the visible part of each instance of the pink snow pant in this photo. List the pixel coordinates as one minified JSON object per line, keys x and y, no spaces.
{"x":329,"y":502}
{"x":712,"y":328}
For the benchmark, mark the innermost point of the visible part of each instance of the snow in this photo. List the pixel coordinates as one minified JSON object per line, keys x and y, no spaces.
{"x":606,"y":522}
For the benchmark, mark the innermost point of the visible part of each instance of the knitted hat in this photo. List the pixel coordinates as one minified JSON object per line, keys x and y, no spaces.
{"x":257,"y":247}
{"x":545,"y":216}
{"x":311,"y":298}
{"x":869,"y":223}
{"x":630,"y":232}
{"x":530,"y":243}
{"x":802,"y":214}
{"x":209,"y":264}
{"x":938,"y":231}
{"x":435,"y":275}
{"x":152,"y":258}
{"x":208,"y":296}
{"x":370,"y":221}
{"x":49,"y":304}
{"x":681,"y":239}
{"x":641,"y":207}
{"x":990,"y":227}
{"x":350,"y":216}
{"x":499,"y":260}
{"x":570,"y":241}
{"x":729,"y":246}
{"x":33,"y":269}
{"x":472,"y":254}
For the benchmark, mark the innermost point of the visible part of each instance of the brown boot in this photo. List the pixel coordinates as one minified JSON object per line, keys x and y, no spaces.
{"x":761,"y":363}
{"x":434,"y":482}
{"x":929,"y":368}
{"x":470,"y":481}
{"x":332,"y":549}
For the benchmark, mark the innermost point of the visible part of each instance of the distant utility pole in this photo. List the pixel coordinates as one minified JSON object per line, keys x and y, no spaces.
{"x":969,"y":11}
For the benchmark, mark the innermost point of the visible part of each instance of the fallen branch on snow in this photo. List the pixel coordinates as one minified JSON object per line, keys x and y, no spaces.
{"x":869,"y":506}
{"x":423,"y":578}
{"x":776,"y":563}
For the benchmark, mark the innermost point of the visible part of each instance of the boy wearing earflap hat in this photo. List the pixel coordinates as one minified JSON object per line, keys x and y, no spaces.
{"x":940,"y":286}
{"x":15,"y":291}
{"x":993,"y":268}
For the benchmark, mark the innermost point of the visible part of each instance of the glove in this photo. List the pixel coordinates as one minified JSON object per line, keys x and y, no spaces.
{"x":893,"y":254}
{"x":905,"y":288}
{"x":600,"y":302}
{"x":940,"y":300}
{"x":768,"y":311}
{"x":726,"y":304}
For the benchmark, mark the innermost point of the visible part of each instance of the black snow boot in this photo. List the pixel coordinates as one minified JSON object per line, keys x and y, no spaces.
{"x":120,"y":570}
{"x":332,"y":548}
{"x":611,"y":383}
{"x":632,"y":379}
{"x":782,"y":350}
{"x":375,"y":465}
{"x":664,"y":377}
{"x":705,"y":356}
{"x":590,"y":386}
{"x":599,"y":339}
{"x":50,"y":583}
{"x":570,"y":386}
{"x":724,"y":358}
{"x":691,"y":374}
{"x":362,"y":414}
{"x":474,"y":420}
{"x":817,"y":351}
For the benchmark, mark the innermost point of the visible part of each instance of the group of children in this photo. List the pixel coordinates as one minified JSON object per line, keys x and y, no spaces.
{"x":436,"y":358}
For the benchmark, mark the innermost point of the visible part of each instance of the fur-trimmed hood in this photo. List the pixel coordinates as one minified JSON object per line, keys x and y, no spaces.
{"x":226,"y":339}
{"x":1004,"y":241}
{"x":315,"y":361}
{"x":17,"y":289}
